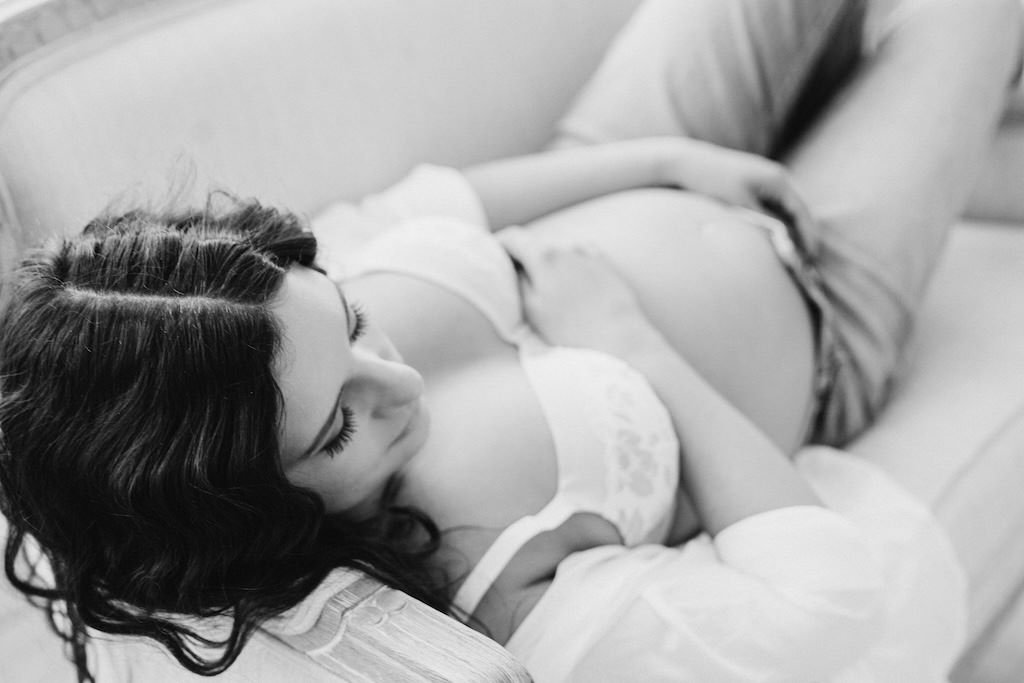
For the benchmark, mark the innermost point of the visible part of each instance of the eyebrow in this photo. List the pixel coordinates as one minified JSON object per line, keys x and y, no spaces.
{"x":325,"y":428}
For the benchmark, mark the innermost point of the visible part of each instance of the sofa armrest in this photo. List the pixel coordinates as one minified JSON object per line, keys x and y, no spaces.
{"x":351,"y":628}
{"x":367,"y":630}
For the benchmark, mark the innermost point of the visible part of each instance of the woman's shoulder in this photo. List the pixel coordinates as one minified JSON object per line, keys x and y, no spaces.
{"x":428,"y":192}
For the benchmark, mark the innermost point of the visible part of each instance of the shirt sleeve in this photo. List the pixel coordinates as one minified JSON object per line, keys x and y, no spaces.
{"x":428,"y":191}
{"x":788,"y":595}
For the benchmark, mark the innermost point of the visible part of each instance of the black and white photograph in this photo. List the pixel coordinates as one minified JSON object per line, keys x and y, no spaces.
{"x":499,"y":341}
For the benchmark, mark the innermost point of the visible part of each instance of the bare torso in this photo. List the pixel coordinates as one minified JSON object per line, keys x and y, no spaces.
{"x":710,"y":283}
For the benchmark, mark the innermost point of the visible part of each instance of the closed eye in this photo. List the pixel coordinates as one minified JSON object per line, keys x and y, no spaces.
{"x":344,"y":435}
{"x":359,"y":313}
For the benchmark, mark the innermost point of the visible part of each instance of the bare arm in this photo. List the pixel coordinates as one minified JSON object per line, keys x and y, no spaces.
{"x":730,"y":468}
{"x":518,"y":190}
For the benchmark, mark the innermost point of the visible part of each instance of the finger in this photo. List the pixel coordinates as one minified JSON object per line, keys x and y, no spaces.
{"x":787,"y":205}
{"x":802,"y":217}
{"x":752,"y":199}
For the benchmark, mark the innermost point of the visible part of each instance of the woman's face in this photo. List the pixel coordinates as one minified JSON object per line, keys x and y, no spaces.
{"x":353,"y":411}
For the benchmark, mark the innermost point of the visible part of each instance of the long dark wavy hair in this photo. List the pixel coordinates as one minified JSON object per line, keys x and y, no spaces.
{"x":139,"y":420}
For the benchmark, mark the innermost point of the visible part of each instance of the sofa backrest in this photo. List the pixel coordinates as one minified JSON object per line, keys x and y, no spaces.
{"x":297,"y":102}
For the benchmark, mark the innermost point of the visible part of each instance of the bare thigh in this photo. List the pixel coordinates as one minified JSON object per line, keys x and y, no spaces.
{"x":885,"y":163}
{"x":714,"y":286}
{"x":887,"y":169}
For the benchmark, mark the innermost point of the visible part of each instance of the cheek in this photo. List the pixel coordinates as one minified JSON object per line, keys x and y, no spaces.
{"x":342,"y":481}
{"x":322,"y":475}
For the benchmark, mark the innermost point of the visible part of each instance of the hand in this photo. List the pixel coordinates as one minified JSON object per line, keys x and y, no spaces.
{"x":738,"y":178}
{"x":572,"y":296}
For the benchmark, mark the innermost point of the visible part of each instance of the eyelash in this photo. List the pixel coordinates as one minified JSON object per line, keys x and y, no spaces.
{"x":348,"y":418}
{"x":345,"y":434}
{"x":360,"y":315}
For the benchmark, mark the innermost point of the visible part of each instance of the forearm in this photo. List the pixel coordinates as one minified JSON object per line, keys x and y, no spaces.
{"x":573,"y":297}
{"x":729,"y":467}
{"x":517,"y":190}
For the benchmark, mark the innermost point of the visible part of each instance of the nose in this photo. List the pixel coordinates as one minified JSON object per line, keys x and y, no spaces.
{"x":381,"y":380}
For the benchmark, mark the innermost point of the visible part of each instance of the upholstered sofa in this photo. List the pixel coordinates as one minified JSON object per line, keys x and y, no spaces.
{"x":304,"y":103}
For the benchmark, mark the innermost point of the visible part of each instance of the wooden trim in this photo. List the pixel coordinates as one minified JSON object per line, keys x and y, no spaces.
{"x":389,"y":636}
{"x":26,"y":28}
{"x":37,"y":25}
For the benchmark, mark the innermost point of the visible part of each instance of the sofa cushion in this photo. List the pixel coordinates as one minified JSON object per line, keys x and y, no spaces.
{"x":313,"y":100}
{"x":953,"y":433}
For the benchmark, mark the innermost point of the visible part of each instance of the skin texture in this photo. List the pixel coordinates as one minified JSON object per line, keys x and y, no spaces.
{"x":324,"y":381}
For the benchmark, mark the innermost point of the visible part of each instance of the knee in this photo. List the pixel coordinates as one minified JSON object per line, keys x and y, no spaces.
{"x":999,"y":20}
{"x":945,"y":26}
{"x":998,"y":17}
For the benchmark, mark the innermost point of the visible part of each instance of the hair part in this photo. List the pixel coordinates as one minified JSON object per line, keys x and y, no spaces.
{"x":139,"y":421}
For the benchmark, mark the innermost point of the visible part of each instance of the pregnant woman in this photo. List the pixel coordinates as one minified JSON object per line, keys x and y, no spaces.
{"x":574,"y":435}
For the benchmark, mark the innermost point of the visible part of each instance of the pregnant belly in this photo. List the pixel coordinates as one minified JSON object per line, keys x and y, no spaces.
{"x":714,"y":286}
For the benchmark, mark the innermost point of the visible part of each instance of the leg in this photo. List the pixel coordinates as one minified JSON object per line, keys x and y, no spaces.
{"x":725,"y":71}
{"x":887,"y":170}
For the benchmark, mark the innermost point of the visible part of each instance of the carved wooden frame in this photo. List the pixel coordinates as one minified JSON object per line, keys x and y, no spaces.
{"x":44,"y":22}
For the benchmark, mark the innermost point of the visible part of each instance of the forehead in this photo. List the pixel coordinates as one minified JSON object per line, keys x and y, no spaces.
{"x":314,"y":358}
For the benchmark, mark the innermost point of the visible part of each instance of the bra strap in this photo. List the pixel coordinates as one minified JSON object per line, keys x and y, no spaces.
{"x":504,"y":548}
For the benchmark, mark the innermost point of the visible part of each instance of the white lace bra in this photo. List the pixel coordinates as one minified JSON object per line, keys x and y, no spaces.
{"x":616,"y":450}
